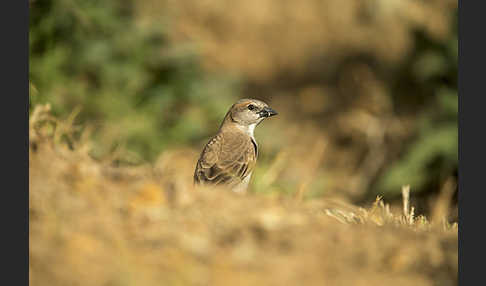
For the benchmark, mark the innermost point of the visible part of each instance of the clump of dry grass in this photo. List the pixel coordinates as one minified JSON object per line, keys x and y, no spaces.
{"x":93,"y":224}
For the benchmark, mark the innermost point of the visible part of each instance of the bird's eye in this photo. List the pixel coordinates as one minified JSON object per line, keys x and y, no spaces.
{"x":251,"y":107}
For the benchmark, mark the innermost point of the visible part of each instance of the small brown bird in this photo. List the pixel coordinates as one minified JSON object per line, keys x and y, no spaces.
{"x":229,"y":157}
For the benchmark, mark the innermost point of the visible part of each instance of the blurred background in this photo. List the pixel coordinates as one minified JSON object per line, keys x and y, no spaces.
{"x":366,"y":90}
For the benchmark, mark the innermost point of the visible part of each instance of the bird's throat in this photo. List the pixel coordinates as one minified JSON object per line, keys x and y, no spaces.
{"x":248,"y":129}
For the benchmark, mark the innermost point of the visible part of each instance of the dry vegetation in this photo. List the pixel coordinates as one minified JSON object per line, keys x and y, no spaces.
{"x":262,"y":39}
{"x":95,"y":224}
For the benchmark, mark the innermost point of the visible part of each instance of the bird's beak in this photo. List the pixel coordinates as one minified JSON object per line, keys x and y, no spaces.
{"x":267,"y":112}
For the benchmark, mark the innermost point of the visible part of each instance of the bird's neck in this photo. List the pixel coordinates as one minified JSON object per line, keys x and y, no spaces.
{"x":230,"y":124}
{"x":248,"y":129}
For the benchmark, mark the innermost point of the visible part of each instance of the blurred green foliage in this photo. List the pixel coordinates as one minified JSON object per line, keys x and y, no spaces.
{"x":131,"y":84}
{"x":432,"y":155}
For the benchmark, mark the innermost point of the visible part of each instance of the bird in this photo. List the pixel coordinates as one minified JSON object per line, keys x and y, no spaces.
{"x":229,"y":157}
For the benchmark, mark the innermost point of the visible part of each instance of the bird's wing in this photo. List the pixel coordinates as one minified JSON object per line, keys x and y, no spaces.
{"x":227,"y":159}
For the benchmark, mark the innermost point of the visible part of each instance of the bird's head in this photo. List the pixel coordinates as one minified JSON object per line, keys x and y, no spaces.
{"x":250,"y":112}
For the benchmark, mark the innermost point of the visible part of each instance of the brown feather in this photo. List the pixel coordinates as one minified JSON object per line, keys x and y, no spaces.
{"x":227,"y":158}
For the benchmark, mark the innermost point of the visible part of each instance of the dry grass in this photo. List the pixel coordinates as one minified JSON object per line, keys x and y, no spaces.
{"x":93,"y":224}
